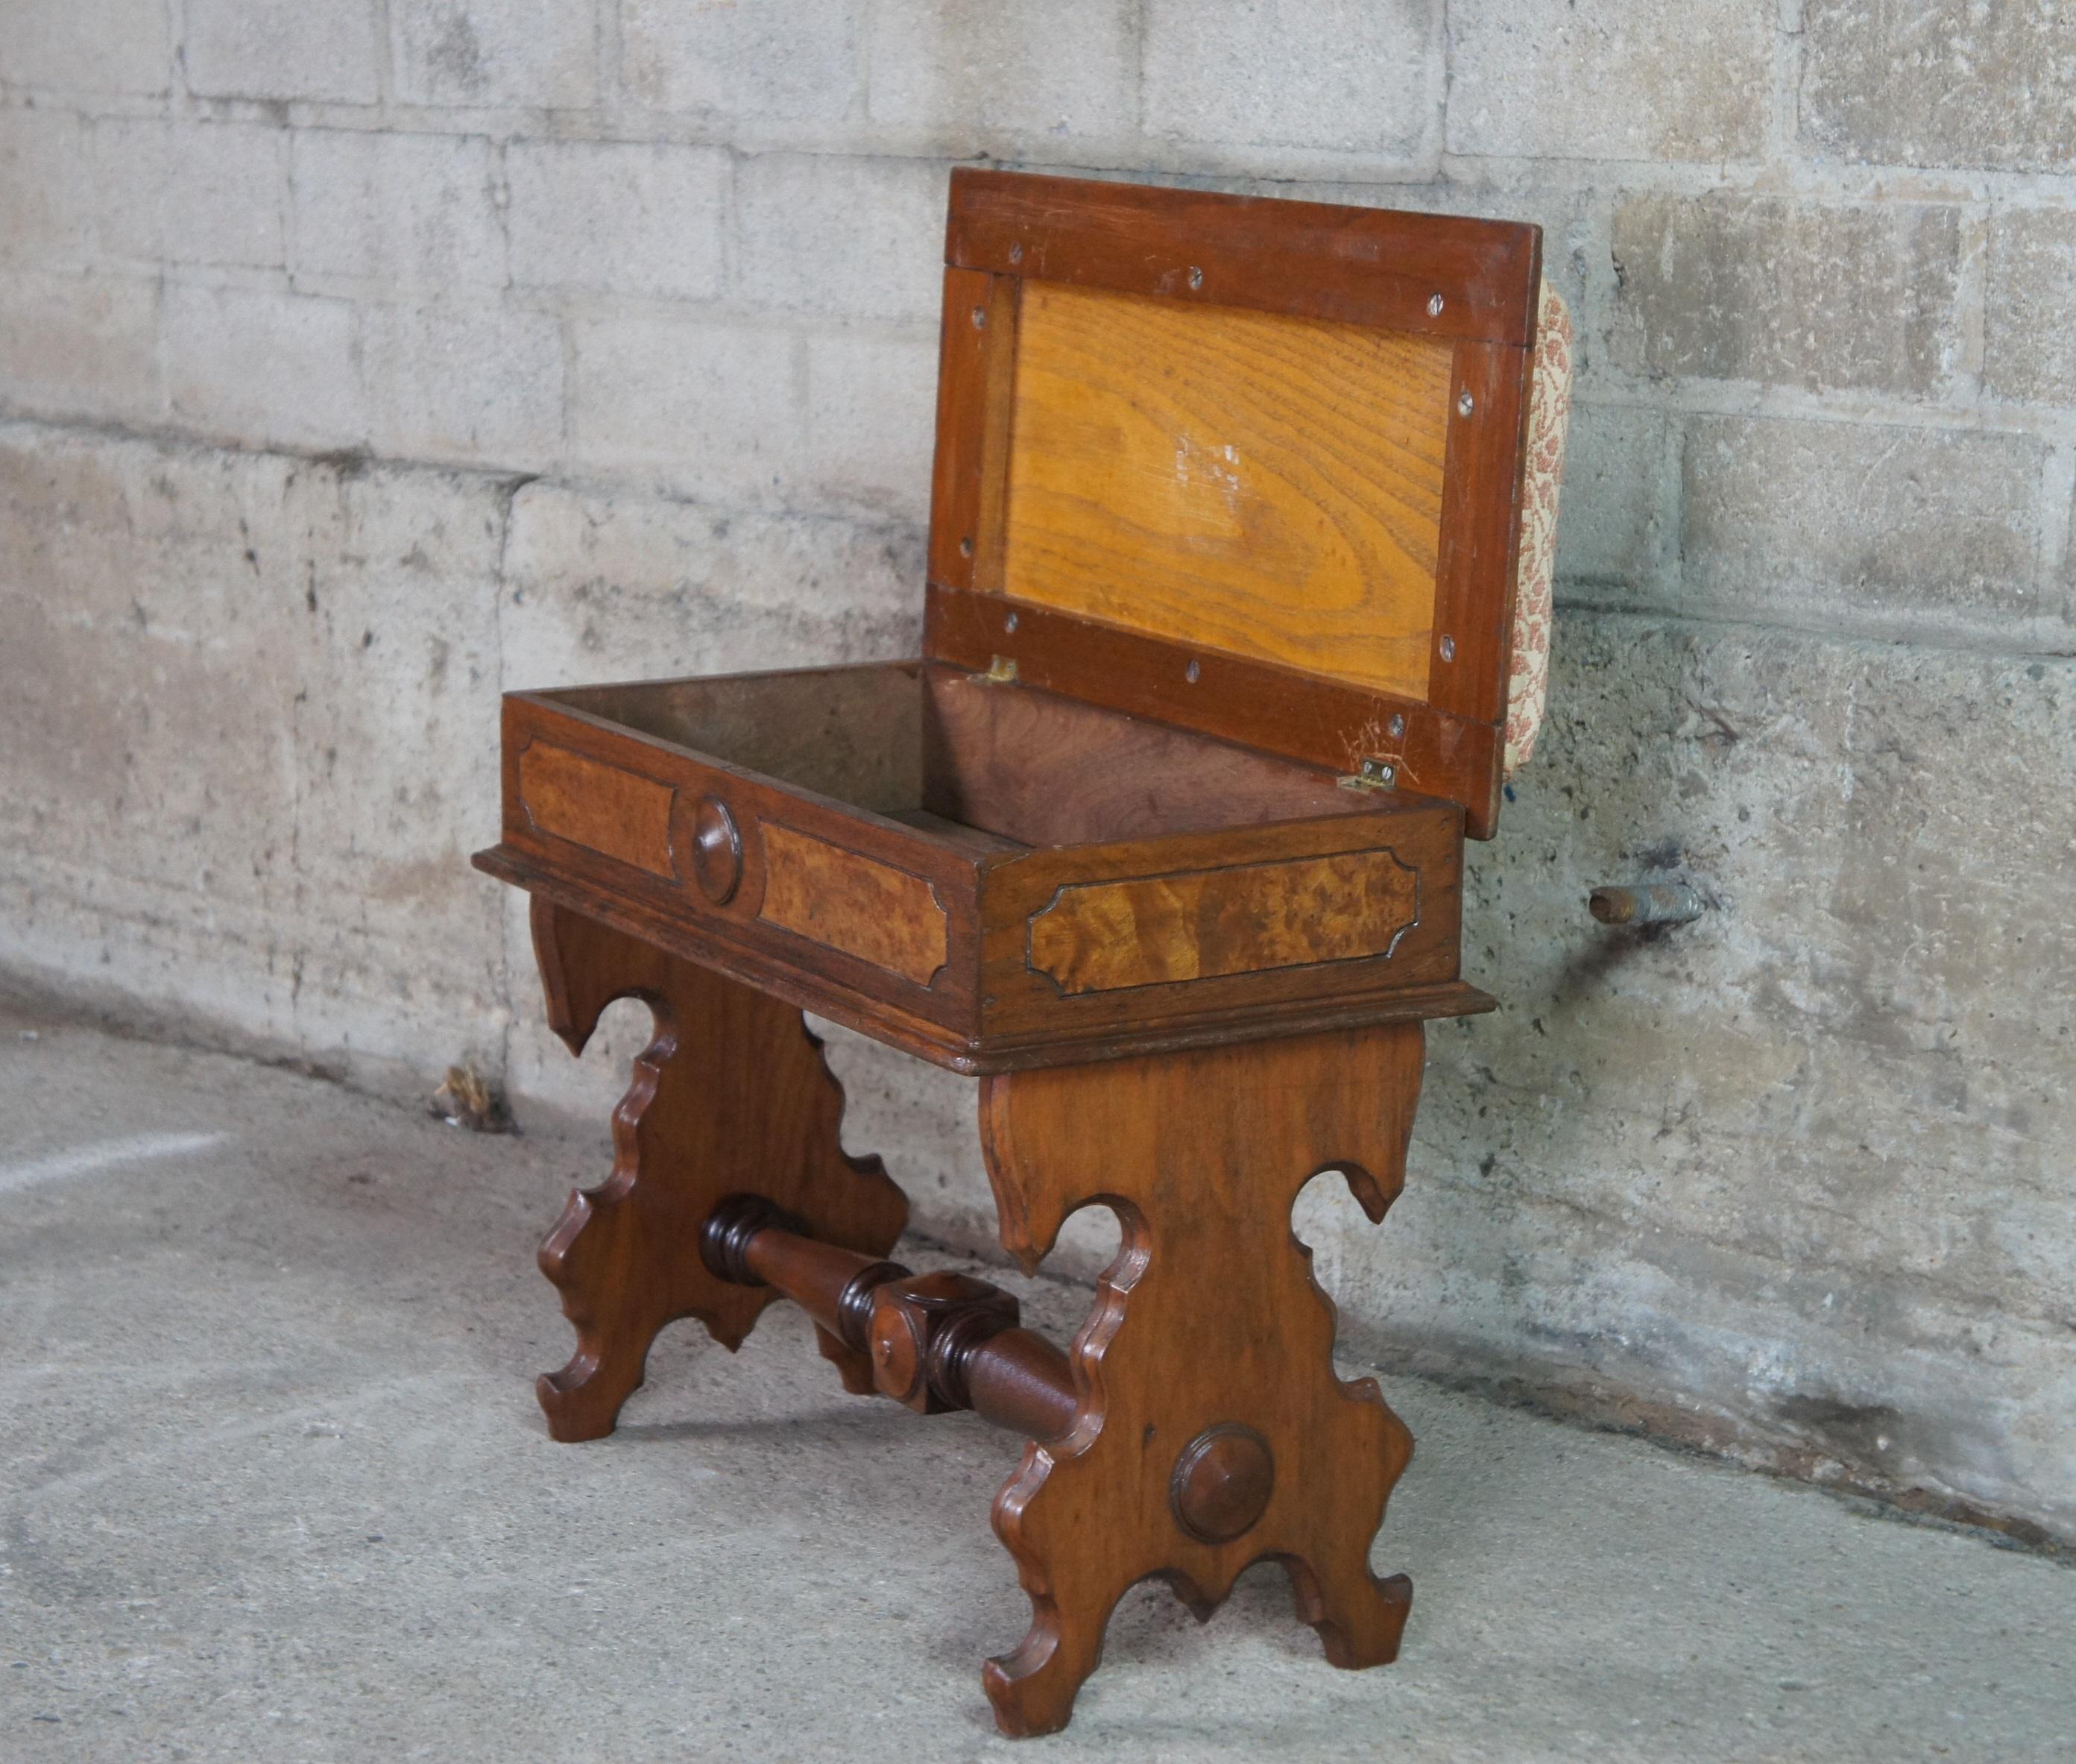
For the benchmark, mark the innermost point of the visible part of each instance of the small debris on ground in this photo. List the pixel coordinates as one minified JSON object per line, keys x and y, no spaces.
{"x":469,"y":1100}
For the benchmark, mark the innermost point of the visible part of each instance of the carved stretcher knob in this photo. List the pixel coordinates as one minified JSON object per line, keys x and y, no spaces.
{"x":1221,"y":1483}
{"x":924,"y":1329}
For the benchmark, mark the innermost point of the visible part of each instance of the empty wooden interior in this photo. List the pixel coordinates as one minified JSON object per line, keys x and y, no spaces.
{"x":979,"y":763}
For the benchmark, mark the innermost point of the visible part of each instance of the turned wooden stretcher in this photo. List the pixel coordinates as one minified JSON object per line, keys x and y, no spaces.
{"x":1161,"y":836}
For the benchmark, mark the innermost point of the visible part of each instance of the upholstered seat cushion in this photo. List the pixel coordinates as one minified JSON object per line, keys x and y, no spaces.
{"x":1549,"y":409}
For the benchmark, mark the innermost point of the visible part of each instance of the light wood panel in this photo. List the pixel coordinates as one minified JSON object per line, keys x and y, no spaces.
{"x":579,"y":799}
{"x":1255,"y":484}
{"x":855,"y":903}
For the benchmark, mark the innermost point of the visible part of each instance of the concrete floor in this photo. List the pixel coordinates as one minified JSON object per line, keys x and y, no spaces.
{"x":276,"y":1488}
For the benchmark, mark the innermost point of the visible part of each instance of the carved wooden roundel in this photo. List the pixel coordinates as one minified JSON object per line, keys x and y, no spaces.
{"x":717,"y":851}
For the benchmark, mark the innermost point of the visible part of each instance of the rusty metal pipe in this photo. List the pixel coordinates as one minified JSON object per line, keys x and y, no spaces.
{"x":1645,"y":903}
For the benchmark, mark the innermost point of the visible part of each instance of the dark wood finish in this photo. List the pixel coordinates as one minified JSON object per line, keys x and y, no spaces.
{"x":1021,"y":1000}
{"x":1470,"y":283}
{"x":1208,"y":1319}
{"x":717,"y":851}
{"x":936,"y":1342}
{"x":731,"y":1091}
{"x":670,"y":932}
{"x":1473,"y":657}
{"x":936,"y":880}
{"x":1261,"y":707}
{"x":916,"y":914}
{"x":1221,"y":1483}
{"x":1364,"y":266}
{"x":975,"y":366}
{"x":1163,"y":837}
{"x":1038,"y":768}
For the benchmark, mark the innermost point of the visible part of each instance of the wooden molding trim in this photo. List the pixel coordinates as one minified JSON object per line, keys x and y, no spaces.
{"x":1309,"y":260}
{"x":1280,"y":711}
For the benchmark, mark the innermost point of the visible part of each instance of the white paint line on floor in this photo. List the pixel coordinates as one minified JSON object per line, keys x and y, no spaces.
{"x":110,"y":1153}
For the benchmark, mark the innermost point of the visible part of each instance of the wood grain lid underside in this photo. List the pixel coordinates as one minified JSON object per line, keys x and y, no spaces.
{"x":1238,"y":481}
{"x":1251,"y":466}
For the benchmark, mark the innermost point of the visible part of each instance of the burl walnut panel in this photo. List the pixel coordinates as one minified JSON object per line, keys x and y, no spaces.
{"x":1097,"y":937}
{"x":847,"y":901}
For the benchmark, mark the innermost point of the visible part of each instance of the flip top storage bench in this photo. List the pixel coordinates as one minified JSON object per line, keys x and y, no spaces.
{"x":1162,"y":836}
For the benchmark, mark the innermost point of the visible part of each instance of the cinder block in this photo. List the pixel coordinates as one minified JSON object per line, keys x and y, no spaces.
{"x":713,"y":407}
{"x":625,"y":218}
{"x":872,"y":407}
{"x":755,"y":61}
{"x":2029,"y":341}
{"x":113,"y":46}
{"x":148,"y":673}
{"x":1869,"y":1009}
{"x":633,"y":586}
{"x":974,"y":70}
{"x":192,"y":192}
{"x":1618,"y":509}
{"x":80,"y":346}
{"x":312,"y":49}
{"x":1941,"y":82}
{"x":494,"y":53}
{"x":254,"y":738}
{"x":47,"y":192}
{"x":1842,"y":526}
{"x":410,"y":211}
{"x":1338,"y":76}
{"x":475,"y":383}
{"x":263,"y":367}
{"x":396,"y":760}
{"x":1733,"y":287}
{"x":842,"y":235}
{"x":1609,"y":79}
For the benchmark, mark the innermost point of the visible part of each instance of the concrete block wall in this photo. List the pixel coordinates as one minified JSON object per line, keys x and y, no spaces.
{"x":361,"y":358}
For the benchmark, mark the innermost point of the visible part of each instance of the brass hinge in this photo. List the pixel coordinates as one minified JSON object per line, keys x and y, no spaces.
{"x":1002,"y":670}
{"x":1373,"y":774}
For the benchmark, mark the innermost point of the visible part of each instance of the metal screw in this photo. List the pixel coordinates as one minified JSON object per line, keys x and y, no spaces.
{"x":1016,"y":254}
{"x":1435,"y":303}
{"x":980,"y":319}
{"x":1448,"y":649}
{"x":1398,"y":723}
{"x":1191,"y":672}
{"x":966,"y":547}
{"x":1196,"y":277}
{"x":1466,"y":405}
{"x":1009,"y":624}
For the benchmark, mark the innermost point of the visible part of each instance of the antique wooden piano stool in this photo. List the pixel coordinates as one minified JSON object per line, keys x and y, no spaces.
{"x":1162,"y":838}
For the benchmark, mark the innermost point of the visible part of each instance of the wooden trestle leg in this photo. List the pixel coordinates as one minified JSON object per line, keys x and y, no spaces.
{"x":731,"y":1095}
{"x":1211,"y":1432}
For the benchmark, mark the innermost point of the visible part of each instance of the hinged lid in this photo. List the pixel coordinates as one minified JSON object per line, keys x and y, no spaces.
{"x":1248,"y":466}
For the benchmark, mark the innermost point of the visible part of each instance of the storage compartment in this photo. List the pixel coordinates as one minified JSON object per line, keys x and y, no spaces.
{"x":987,"y":873}
{"x":958,"y":755}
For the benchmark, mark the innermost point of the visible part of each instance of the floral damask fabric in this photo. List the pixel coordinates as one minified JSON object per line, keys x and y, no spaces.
{"x":1549,"y":408}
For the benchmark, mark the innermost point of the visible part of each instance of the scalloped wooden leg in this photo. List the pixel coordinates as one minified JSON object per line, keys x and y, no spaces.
{"x":1209,"y":1348}
{"x":731,"y":1096}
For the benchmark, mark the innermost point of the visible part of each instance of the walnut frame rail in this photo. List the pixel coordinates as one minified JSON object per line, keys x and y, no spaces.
{"x":1161,"y":838}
